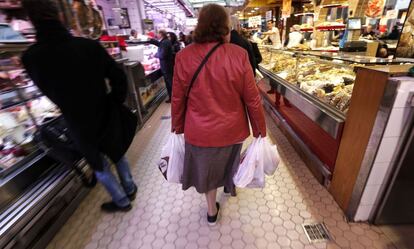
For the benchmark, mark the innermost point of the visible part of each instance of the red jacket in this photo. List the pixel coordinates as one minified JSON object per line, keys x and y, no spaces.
{"x":222,"y":99}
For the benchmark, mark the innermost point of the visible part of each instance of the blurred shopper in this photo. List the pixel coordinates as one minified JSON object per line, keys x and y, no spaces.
{"x":295,"y":37}
{"x":189,"y":38}
{"x":394,"y":34}
{"x":273,"y":35}
{"x":72,"y":71}
{"x":215,"y":116}
{"x":165,"y":54}
{"x":238,"y":40}
{"x":182,"y":39}
{"x":257,"y":55}
{"x":133,"y":35}
{"x":175,"y":43}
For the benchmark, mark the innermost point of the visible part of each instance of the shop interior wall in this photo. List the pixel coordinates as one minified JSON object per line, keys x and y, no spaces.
{"x":133,"y":7}
{"x":387,"y":151}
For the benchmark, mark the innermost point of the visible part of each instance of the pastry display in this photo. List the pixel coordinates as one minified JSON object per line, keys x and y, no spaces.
{"x":406,"y":44}
{"x":330,"y":82}
{"x":306,"y":26}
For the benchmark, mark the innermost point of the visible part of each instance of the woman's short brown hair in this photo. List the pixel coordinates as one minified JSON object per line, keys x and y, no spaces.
{"x":213,"y":24}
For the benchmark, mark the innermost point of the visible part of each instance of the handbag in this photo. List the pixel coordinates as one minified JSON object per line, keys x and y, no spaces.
{"x":172,"y":156}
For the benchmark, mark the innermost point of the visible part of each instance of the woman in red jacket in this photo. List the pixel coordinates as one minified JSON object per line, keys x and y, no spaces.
{"x":215,"y":116}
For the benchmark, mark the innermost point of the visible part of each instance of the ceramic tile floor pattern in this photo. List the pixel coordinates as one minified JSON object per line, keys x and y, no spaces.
{"x":165,"y":217}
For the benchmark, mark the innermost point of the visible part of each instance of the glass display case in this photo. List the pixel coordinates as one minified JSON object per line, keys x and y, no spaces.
{"x":146,"y":84}
{"x":327,"y":81}
{"x":22,"y":109}
{"x":316,"y":89}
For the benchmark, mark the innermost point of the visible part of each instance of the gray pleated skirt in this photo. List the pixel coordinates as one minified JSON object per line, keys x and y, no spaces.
{"x":210,"y":168}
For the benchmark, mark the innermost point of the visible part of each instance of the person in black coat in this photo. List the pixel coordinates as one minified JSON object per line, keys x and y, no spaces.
{"x":175,"y":45}
{"x":72,"y":72}
{"x":165,"y":54}
{"x":237,"y":39}
{"x":255,"y":47}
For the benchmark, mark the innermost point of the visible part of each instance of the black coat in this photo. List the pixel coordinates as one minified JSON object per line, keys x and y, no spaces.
{"x":72,"y":72}
{"x":166,"y":56}
{"x":257,"y":55}
{"x":237,"y":39}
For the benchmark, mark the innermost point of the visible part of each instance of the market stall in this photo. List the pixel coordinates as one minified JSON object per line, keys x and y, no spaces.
{"x":314,"y":97}
{"x":37,"y":192}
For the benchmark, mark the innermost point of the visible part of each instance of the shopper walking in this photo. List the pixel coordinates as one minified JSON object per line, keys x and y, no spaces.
{"x":214,"y":113}
{"x":238,"y":40}
{"x":72,"y":72}
{"x":176,"y":46}
{"x":165,"y":54}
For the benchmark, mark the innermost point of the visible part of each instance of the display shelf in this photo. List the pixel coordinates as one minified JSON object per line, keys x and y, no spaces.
{"x":306,"y":29}
{"x":34,"y":155}
{"x":331,"y":28}
{"x":328,"y":118}
{"x":328,"y":83}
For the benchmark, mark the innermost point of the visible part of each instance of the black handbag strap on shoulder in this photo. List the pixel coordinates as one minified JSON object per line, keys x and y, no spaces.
{"x":197,"y":72}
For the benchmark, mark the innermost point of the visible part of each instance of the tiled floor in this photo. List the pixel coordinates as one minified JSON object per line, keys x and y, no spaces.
{"x":165,"y":217}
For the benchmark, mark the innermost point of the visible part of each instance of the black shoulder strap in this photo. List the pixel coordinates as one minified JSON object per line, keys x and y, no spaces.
{"x":197,"y":72}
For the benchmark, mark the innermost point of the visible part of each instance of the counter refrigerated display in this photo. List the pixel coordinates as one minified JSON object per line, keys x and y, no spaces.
{"x":22,"y":108}
{"x":146,"y":84}
{"x":316,"y":89}
{"x":37,"y":192}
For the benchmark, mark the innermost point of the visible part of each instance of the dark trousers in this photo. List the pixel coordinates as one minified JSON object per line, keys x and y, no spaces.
{"x":167,"y":69}
{"x":168,"y":78}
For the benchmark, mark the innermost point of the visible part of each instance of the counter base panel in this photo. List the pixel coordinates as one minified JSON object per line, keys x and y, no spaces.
{"x":291,"y":120}
{"x":151,"y":107}
{"x":42,"y":212}
{"x":319,"y":141}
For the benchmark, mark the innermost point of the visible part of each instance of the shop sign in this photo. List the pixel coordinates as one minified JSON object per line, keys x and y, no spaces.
{"x":286,"y":8}
{"x":392,"y":14}
{"x":255,"y":21}
{"x":268,"y":15}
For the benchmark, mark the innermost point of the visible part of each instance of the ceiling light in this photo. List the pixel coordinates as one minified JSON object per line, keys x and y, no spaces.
{"x":256,"y":8}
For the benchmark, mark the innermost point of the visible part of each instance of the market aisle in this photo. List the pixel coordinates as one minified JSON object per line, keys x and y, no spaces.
{"x":166,"y":217}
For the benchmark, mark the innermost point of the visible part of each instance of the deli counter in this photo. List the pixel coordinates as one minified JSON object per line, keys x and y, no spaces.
{"x":37,"y":192}
{"x":146,"y":84}
{"x":310,"y":94}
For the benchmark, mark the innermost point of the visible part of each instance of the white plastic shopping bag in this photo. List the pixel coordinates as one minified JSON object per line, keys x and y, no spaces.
{"x":172,"y":158}
{"x":261,"y":158}
{"x":271,"y":157}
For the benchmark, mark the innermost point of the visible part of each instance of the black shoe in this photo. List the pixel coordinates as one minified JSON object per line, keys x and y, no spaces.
{"x":212,"y":220}
{"x":133,"y":195}
{"x":227,"y":192}
{"x":111,"y":207}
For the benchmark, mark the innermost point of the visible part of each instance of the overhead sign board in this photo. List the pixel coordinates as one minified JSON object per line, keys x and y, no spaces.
{"x":268,"y":15}
{"x":255,"y":21}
